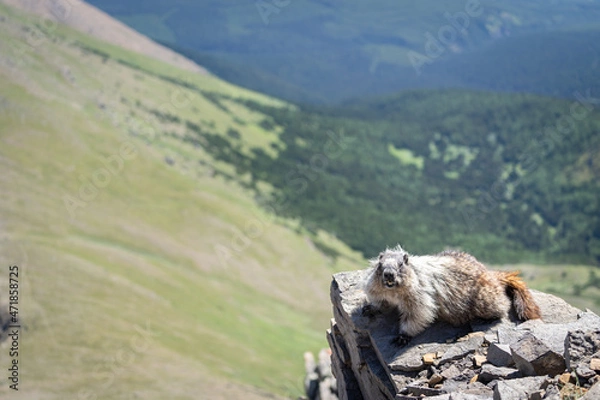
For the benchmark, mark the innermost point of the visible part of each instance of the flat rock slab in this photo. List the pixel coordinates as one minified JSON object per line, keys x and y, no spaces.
{"x":490,"y":373}
{"x":500,"y":355}
{"x":518,"y":389}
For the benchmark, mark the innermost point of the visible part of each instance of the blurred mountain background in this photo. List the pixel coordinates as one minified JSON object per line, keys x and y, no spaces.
{"x":324,"y":51}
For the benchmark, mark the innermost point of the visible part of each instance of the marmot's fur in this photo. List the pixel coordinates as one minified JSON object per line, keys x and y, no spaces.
{"x":451,"y":286}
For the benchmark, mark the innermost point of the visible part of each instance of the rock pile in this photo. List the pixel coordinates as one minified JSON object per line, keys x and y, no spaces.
{"x":557,"y":357}
{"x":319,"y":383}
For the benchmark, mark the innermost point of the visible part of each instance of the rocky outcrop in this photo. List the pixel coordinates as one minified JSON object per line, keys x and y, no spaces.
{"x":555,"y":357}
{"x":319,"y":383}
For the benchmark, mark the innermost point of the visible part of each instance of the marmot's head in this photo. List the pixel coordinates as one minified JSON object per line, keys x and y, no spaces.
{"x":390,"y":267}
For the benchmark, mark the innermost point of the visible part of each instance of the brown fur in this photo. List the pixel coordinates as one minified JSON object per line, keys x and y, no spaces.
{"x":451,"y":286}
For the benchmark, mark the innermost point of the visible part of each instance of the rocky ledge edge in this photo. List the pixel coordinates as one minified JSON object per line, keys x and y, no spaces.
{"x":556,"y":357}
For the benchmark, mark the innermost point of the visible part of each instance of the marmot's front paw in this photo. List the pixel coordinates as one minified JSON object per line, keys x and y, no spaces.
{"x":370,"y":311}
{"x":401,"y":340}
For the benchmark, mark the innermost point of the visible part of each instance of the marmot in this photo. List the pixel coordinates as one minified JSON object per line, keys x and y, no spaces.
{"x":451,"y":286}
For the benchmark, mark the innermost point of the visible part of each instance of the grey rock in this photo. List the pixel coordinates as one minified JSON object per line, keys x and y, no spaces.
{"x":469,"y":396}
{"x":340,"y":366}
{"x":552,"y":392}
{"x":518,"y":389}
{"x":461,"y":383}
{"x":555,"y":309}
{"x":462,"y":349}
{"x":489,"y":373}
{"x":451,"y":372}
{"x":509,"y":335}
{"x":440,"y":397}
{"x":533,"y":357}
{"x":319,"y":383}
{"x":364,"y":357}
{"x":580,"y":346}
{"x":503,"y":391}
{"x":584,"y":372}
{"x":418,"y":391}
{"x":593,"y":393}
{"x":491,"y":338}
{"x":500,"y":355}
{"x":554,"y":334}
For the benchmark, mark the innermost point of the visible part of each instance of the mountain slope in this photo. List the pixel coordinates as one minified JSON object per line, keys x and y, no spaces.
{"x":144,"y":270}
{"x":94,"y":22}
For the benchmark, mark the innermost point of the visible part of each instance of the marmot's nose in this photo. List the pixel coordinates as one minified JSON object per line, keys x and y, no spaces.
{"x":388,"y":276}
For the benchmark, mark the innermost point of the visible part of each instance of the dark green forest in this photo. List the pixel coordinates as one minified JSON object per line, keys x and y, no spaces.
{"x":508,"y":177}
{"x":326,"y":52}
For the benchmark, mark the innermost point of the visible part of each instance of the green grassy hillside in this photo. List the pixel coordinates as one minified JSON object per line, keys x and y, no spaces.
{"x":145,"y":271}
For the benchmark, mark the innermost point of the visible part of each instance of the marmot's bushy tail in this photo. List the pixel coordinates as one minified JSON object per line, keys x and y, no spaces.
{"x":525,"y":306}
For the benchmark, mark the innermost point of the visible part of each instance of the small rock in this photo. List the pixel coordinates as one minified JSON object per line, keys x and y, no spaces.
{"x":489,"y":373}
{"x":500,"y":355}
{"x":593,"y":393}
{"x":595,"y":364}
{"x":564,"y":378}
{"x":479,"y":359}
{"x":518,"y":389}
{"x":451,"y":372}
{"x":429,"y":358}
{"x":490,"y":338}
{"x":584,"y":372}
{"x":533,"y":357}
{"x":423,"y":391}
{"x":435,"y":379}
{"x":552,"y":392}
{"x":504,"y":391}
{"x":555,"y":309}
{"x":580,"y":346}
{"x":468,"y":396}
{"x":539,"y":395}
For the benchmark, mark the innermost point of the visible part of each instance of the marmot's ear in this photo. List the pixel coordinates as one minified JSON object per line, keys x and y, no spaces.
{"x":405,"y":258}
{"x":380,"y":256}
